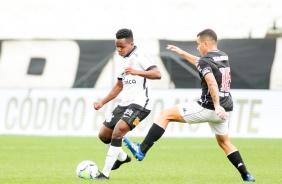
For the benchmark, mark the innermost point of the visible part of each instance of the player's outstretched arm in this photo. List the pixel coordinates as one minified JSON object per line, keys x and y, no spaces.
{"x":189,"y":57}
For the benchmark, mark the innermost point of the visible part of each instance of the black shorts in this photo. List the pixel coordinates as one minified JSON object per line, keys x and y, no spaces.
{"x":132,"y":115}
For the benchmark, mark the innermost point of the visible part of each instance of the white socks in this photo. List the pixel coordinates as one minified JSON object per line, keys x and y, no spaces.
{"x":111,"y":157}
{"x":114,"y":153}
{"x":122,"y":155}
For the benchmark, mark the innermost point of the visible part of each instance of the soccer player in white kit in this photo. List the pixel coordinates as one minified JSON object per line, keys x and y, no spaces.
{"x":136,"y":68}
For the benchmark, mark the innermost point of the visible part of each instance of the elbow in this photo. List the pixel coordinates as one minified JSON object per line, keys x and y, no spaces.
{"x":155,"y":75}
{"x":158,"y":76}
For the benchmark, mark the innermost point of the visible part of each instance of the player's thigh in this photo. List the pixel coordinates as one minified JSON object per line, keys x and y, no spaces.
{"x":171,"y":114}
{"x":219,"y":126}
{"x":121,"y":128}
{"x":192,"y":113}
{"x":114,"y":116}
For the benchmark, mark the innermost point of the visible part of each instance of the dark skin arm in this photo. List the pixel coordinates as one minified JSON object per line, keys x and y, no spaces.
{"x":112,"y":94}
{"x":152,"y":73}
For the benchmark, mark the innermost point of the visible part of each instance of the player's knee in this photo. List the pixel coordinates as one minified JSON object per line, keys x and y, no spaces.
{"x":120,"y":131}
{"x":164,"y":114}
{"x":105,"y":136}
{"x":118,"y":134}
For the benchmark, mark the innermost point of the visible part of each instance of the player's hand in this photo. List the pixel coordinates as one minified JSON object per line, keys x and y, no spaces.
{"x":131,"y":71}
{"x":174,"y":49}
{"x":221,"y":113}
{"x":97,"y":105}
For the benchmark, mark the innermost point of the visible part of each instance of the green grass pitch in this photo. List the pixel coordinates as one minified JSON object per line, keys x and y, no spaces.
{"x":48,"y":160}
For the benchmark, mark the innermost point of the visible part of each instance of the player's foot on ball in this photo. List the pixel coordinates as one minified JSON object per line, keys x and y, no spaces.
{"x":101,"y":176}
{"x":249,"y":178}
{"x":118,"y":163}
{"x":135,"y":149}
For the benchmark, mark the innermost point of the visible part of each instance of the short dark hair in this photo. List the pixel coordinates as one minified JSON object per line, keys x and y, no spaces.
{"x":124,"y":33}
{"x":208,"y":33}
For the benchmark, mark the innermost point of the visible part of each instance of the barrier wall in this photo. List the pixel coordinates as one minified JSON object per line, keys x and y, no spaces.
{"x":255,"y":63}
{"x":70,"y":112}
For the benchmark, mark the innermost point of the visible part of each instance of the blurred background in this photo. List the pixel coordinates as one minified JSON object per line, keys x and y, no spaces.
{"x":70,"y":43}
{"x":58,"y":57}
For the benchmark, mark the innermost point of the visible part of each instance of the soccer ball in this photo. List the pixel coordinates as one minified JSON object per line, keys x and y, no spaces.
{"x":87,"y":169}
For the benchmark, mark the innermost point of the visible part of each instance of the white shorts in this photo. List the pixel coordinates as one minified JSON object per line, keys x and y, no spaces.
{"x":194,"y":113}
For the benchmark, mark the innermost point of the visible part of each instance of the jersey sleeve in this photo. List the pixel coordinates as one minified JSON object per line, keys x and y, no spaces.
{"x":203,"y":67}
{"x":121,"y":72}
{"x":146,"y":62}
{"x":120,"y":75}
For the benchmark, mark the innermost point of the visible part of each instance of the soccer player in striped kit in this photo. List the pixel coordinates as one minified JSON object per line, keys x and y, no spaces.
{"x":213,"y":106}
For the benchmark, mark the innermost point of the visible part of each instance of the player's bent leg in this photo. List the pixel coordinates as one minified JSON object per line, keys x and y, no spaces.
{"x":234,"y":157}
{"x":171,"y":114}
{"x":155,"y":132}
{"x":224,"y":142}
{"x":115,"y":149}
{"x":120,"y":130}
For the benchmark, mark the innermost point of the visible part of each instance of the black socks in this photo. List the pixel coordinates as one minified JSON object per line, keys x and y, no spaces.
{"x":236,"y":159}
{"x":116,"y":142}
{"x":152,"y":136}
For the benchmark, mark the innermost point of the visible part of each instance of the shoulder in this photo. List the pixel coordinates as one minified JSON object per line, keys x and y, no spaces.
{"x":203,"y":60}
{"x":141,"y":52}
{"x":143,"y":57}
{"x":214,"y":56}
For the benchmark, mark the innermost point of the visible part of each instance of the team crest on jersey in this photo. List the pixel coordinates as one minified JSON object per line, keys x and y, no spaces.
{"x":198,"y":67}
{"x":110,"y":117}
{"x":205,"y":71}
{"x":136,"y":121}
{"x":128,"y":112}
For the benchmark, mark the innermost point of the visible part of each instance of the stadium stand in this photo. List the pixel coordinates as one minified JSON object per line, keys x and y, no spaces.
{"x":40,"y":31}
{"x":158,"y":19}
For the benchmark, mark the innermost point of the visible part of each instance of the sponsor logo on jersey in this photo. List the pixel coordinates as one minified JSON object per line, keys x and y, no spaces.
{"x":136,"y":121}
{"x":128,"y":81}
{"x":220,"y":58}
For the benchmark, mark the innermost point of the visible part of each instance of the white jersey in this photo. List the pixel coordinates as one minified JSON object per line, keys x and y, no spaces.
{"x":136,"y":89}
